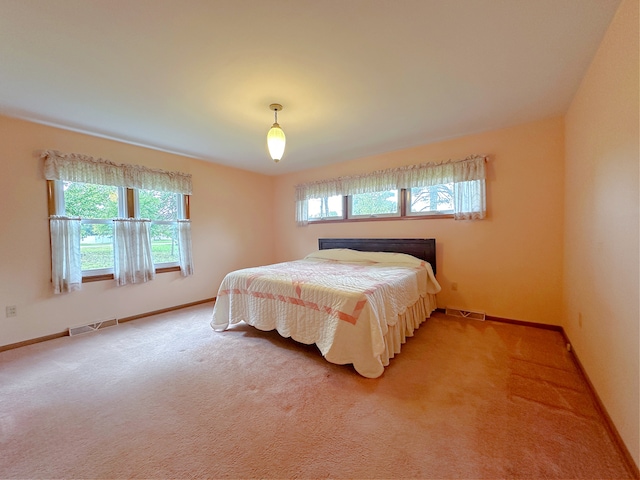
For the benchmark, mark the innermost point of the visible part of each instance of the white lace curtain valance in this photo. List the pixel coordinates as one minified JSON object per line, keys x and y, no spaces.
{"x":467,"y":175}
{"x":423,"y":175}
{"x":74,"y":167}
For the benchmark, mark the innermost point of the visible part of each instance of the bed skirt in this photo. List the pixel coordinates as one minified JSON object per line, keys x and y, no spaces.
{"x":346,"y":343}
{"x":406,"y":325}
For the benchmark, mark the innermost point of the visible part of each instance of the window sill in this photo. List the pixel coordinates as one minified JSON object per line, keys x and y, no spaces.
{"x":109,"y":276}
{"x":381,"y":219}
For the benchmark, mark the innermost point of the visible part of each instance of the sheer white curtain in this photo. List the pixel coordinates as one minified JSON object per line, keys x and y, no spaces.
{"x":132,"y":251}
{"x":184,"y":247}
{"x":66,"y":269}
{"x":469,"y":201}
{"x":469,"y":196}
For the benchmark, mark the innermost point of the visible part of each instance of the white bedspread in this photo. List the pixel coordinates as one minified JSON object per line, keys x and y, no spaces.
{"x":344,"y":301}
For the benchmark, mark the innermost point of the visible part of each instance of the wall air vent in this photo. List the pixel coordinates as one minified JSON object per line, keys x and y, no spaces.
{"x":92,"y":327}
{"x":459,"y":312}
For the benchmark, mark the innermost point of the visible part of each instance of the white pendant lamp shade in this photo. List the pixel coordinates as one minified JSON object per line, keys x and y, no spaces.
{"x":276,"y":139}
{"x":276,"y":142}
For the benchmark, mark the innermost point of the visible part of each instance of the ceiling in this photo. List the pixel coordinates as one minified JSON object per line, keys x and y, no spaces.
{"x":355,"y":77}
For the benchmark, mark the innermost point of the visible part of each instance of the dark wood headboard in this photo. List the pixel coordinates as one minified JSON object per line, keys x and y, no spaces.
{"x":423,"y":248}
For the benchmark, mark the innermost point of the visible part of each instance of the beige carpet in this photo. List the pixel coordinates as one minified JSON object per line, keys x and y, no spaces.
{"x":166,"y":397}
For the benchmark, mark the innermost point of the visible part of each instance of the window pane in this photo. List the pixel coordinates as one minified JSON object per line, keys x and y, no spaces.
{"x":164,"y":243}
{"x":158,"y":205}
{"x":436,"y":198}
{"x":96,"y":246}
{"x":88,"y":200}
{"x":375,"y":204}
{"x":325,"y":208}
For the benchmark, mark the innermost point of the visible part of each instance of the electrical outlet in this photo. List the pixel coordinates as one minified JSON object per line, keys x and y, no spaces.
{"x":11,"y":311}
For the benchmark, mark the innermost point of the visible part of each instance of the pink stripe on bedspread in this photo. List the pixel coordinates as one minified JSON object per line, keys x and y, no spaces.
{"x":302,"y":303}
{"x":320,"y":283}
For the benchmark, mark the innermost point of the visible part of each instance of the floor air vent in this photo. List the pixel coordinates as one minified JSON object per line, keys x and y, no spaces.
{"x":92,"y":327}
{"x":458,"y":312}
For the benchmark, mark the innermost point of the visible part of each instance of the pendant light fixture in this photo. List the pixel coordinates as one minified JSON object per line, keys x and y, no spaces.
{"x":275,"y":138}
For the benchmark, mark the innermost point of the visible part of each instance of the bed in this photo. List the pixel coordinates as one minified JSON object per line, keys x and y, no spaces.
{"x":356,"y":299}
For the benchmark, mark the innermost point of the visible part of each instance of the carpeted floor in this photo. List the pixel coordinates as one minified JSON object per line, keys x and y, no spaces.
{"x":166,"y":397}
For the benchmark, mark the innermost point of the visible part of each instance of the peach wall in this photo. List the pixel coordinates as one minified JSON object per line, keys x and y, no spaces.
{"x":601,"y":273}
{"x":508,"y":265}
{"x":228,"y":212}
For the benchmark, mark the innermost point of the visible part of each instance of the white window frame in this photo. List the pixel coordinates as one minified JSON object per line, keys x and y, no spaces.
{"x":123,"y":212}
{"x":427,"y":213}
{"x":329,"y":218}
{"x":180,"y":214}
{"x":59,"y":206}
{"x":396,"y":214}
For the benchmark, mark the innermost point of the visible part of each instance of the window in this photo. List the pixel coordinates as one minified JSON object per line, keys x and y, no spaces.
{"x":98,"y":205}
{"x":415,"y":202}
{"x":328,"y":208}
{"x":163,"y":209}
{"x":433,"y":200}
{"x":451,"y":189}
{"x":124,"y":221}
{"x":374,"y":204}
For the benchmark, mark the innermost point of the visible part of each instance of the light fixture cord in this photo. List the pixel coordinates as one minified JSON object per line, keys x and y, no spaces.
{"x":276,"y":112}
